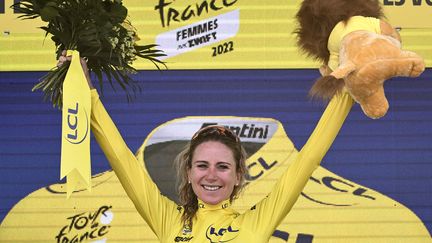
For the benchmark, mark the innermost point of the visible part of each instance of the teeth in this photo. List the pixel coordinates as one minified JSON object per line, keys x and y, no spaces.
{"x":211,"y":188}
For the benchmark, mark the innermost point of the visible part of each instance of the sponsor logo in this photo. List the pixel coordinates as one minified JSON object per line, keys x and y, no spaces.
{"x":77,"y":128}
{"x":169,"y":13}
{"x":214,"y":235}
{"x":339,"y":185}
{"x":256,"y":169}
{"x":199,"y":34}
{"x":198,"y":29}
{"x":87,"y":226}
{"x":402,"y":2}
{"x":182,"y":239}
{"x":246,"y":130}
{"x":187,"y":229}
{"x":224,"y":205}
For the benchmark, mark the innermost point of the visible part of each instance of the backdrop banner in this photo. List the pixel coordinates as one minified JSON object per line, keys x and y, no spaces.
{"x":408,"y":13}
{"x":331,"y":208}
{"x":221,"y":34}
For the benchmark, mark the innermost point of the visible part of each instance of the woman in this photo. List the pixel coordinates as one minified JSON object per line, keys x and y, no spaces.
{"x":211,"y":174}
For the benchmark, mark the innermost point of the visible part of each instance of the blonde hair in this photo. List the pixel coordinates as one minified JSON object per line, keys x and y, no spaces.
{"x":183,"y":164}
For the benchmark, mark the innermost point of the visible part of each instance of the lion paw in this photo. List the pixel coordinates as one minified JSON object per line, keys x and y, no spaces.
{"x":417,"y":68}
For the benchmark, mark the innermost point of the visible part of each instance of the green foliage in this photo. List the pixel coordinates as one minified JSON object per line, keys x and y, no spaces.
{"x":100,"y":31}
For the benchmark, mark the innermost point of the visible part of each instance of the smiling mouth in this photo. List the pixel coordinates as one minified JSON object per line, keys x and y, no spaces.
{"x":211,"y":188}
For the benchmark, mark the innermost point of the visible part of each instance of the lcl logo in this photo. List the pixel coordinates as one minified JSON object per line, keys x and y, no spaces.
{"x":74,"y":124}
{"x":214,"y":234}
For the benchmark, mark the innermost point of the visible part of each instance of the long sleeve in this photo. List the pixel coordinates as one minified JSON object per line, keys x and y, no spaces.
{"x":342,"y":29}
{"x":268,"y":213}
{"x":158,"y":211}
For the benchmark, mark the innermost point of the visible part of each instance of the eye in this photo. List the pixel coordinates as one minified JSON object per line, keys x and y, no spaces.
{"x":201,"y":166}
{"x":223,"y":167}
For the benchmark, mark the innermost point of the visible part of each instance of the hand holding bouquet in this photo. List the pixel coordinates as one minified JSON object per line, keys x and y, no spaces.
{"x":99,"y":31}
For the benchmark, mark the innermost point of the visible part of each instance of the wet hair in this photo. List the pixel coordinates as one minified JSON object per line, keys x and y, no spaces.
{"x":317,"y":18}
{"x":183,"y":164}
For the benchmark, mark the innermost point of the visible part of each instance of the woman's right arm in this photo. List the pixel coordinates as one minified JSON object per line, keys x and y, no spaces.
{"x":158,"y":211}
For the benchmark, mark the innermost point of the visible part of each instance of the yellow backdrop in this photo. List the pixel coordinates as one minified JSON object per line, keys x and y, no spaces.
{"x":330,"y":209}
{"x":210,"y":34}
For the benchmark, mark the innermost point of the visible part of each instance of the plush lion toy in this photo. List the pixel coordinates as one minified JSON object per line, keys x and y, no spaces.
{"x":358,"y":49}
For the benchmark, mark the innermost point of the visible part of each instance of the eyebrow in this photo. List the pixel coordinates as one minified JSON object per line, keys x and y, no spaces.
{"x":224,"y":163}
{"x":217,"y":163}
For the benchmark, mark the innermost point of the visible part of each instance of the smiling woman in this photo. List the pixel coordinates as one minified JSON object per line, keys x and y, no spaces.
{"x":211,"y":169}
{"x":211,"y":172}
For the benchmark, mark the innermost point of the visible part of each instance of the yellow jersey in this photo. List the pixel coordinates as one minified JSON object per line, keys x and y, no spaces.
{"x":330,"y":209}
{"x":216,"y":223}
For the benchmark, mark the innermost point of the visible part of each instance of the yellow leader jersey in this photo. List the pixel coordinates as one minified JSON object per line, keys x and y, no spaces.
{"x":341,"y":30}
{"x":216,"y":223}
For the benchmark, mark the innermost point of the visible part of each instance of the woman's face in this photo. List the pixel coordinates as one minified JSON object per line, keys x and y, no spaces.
{"x":213,"y":172}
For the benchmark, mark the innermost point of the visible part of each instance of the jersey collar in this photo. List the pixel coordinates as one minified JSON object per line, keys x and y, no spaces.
{"x":222,"y":205}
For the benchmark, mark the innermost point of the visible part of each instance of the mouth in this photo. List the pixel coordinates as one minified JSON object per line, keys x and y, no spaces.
{"x":211,"y":188}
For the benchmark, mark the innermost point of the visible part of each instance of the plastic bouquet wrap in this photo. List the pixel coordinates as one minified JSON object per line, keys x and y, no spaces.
{"x":100,"y":31}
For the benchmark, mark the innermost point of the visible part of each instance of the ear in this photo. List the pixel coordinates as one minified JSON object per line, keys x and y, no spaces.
{"x":189,"y":171}
{"x":387,"y":29}
{"x":238,"y":178}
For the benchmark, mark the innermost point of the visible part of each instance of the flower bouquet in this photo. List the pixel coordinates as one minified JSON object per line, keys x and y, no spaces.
{"x":100,"y":31}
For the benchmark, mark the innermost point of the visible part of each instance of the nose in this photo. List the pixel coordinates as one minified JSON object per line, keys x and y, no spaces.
{"x":211,"y":174}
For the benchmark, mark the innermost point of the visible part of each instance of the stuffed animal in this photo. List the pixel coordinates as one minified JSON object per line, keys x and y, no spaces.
{"x":358,"y":49}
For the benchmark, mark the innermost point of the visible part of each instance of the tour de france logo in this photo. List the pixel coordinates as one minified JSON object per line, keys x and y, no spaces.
{"x":77,"y":124}
{"x":89,"y":226}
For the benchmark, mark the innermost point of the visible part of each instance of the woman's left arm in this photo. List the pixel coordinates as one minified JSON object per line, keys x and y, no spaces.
{"x":269,"y":212}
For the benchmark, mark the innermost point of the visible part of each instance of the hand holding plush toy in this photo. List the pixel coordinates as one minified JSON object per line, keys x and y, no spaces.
{"x":359,"y":50}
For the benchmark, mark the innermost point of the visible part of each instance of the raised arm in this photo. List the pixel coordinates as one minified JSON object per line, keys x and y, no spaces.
{"x":268,"y":213}
{"x":157,"y":210}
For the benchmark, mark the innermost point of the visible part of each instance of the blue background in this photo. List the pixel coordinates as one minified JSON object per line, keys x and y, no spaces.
{"x":392,"y":155}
